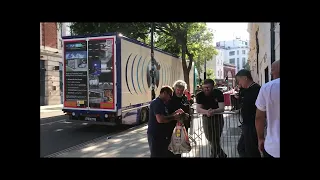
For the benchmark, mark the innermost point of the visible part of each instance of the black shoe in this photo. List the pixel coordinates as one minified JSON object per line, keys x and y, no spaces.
{"x":223,"y":156}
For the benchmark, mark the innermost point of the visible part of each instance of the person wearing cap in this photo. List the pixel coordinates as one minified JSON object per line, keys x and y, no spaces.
{"x":248,"y":142}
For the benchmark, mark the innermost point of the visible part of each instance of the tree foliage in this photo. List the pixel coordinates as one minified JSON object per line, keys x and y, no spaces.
{"x":193,"y":42}
{"x":210,"y":74}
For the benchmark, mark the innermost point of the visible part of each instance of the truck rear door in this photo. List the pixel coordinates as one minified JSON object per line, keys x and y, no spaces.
{"x":89,"y":75}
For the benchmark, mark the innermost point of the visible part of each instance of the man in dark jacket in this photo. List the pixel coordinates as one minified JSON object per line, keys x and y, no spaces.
{"x":248,"y":143}
{"x":180,"y":101}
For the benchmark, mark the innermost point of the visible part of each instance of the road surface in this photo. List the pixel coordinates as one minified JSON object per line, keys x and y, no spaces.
{"x":57,"y":134}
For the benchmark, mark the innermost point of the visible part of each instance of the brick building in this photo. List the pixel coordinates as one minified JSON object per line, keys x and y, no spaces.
{"x":50,"y":64}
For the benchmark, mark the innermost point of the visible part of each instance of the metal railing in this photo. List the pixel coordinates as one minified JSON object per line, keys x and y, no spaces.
{"x":216,"y":136}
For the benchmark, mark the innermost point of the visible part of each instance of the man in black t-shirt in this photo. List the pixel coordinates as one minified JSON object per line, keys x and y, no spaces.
{"x":161,"y":124}
{"x":209,"y":102}
{"x":248,"y":142}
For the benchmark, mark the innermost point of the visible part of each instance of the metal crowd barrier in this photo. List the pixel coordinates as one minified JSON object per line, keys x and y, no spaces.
{"x":216,"y":136}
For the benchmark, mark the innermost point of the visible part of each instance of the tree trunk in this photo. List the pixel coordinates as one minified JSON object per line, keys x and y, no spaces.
{"x":186,"y":70}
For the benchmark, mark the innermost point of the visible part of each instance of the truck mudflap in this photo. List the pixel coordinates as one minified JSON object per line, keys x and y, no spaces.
{"x":93,"y":117}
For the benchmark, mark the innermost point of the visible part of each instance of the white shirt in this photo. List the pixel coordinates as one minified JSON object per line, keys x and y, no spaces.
{"x":269,"y":100}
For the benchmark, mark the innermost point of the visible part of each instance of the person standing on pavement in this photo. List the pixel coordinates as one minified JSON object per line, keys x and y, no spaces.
{"x":161,"y":124}
{"x":239,"y":96}
{"x":268,"y":105}
{"x":180,"y":101}
{"x":248,"y":142}
{"x":211,"y":101}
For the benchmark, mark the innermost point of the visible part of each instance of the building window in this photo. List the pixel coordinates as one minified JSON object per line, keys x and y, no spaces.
{"x":246,"y":43}
{"x":231,"y":53}
{"x":232,"y":61}
{"x":238,"y":63}
{"x":266,"y":75}
{"x":237,"y":52}
{"x":243,"y":62}
{"x":243,"y":51}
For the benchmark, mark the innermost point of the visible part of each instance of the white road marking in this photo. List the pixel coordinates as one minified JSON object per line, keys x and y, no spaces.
{"x":52,"y":122}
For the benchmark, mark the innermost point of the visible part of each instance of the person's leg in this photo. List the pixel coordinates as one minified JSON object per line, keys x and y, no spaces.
{"x":207,"y":129}
{"x":151,"y":147}
{"x":251,"y":141}
{"x":186,"y":125}
{"x":241,"y":147}
{"x":266,"y":155}
{"x":218,"y":124}
{"x":158,"y":147}
{"x":171,"y":155}
{"x":233,"y":102}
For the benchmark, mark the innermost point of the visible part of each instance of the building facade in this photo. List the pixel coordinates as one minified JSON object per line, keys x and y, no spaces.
{"x":51,"y":63}
{"x":234,"y":52}
{"x":230,"y":71}
{"x":264,"y":49}
{"x":216,"y":64}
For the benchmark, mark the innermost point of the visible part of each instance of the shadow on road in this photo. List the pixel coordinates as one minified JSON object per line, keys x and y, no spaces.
{"x":130,"y":144}
{"x":58,"y":136}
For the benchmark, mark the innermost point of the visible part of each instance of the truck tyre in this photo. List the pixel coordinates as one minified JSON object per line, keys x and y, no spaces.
{"x":143,"y":116}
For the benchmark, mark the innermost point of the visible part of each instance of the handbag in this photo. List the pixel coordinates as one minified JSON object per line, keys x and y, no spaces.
{"x":179,"y":140}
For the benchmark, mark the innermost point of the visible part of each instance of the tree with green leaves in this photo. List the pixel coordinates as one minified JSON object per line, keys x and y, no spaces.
{"x":210,"y":74}
{"x":193,"y":42}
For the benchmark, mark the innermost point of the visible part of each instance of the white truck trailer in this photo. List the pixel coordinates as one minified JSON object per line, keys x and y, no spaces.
{"x":107,"y":78}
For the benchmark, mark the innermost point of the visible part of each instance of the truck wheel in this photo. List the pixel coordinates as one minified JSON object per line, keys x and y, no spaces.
{"x":143,"y":115}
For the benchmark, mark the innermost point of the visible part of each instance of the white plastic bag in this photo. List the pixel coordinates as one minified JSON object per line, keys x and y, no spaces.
{"x":179,"y":140}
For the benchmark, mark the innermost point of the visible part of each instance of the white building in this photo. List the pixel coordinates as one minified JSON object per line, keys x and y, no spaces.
{"x":234,"y":52}
{"x":264,"y":49}
{"x":216,"y":64}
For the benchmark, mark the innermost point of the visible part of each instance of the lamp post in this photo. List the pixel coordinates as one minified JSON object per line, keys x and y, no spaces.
{"x":153,"y":94}
{"x":205,"y":70}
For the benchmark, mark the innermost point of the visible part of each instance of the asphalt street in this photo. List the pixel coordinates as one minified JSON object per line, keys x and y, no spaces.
{"x":57,"y":134}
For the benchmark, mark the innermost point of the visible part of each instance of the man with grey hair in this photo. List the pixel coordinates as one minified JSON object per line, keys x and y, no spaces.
{"x":180,"y":101}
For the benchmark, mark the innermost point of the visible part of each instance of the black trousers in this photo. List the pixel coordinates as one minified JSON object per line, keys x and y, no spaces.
{"x":235,"y":103}
{"x":248,"y":142}
{"x":159,"y":147}
{"x":266,"y":155}
{"x":213,"y":127}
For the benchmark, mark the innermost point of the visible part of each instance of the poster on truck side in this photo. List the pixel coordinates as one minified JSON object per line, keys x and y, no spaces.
{"x":101,"y":73}
{"x":75,"y":76}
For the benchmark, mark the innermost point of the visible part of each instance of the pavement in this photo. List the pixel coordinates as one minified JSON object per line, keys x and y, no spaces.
{"x":134,"y":143}
{"x":59,"y":138}
{"x":56,"y":134}
{"x":51,"y":111}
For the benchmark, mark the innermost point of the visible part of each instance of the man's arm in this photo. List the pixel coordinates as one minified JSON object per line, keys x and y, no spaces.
{"x":165,"y":119}
{"x":200,"y":109}
{"x":159,"y":111}
{"x":260,"y":114}
{"x":220,"y":103}
{"x":260,"y":123}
